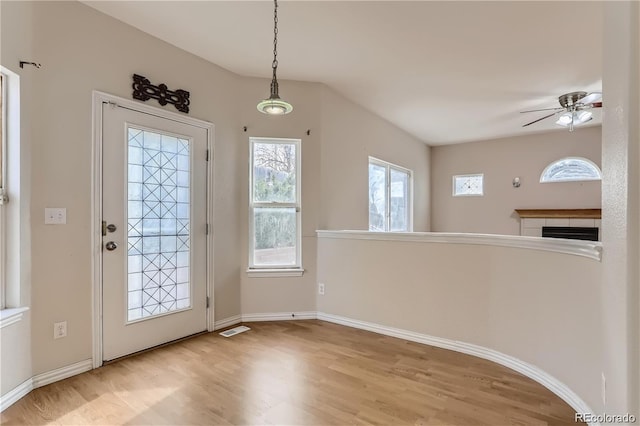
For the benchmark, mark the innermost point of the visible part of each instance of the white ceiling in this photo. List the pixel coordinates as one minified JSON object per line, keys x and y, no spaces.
{"x":446,"y":72}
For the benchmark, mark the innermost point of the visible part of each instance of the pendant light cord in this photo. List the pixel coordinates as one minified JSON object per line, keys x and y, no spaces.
{"x":274,"y":64}
{"x":273,"y":105}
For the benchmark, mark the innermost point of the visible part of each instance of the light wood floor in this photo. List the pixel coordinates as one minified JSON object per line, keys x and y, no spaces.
{"x":295,"y":372}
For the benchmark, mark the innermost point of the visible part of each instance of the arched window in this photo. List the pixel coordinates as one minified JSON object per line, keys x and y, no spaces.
{"x":571,"y":169}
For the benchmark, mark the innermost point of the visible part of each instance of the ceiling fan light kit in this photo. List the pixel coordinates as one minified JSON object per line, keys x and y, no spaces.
{"x":574,"y":109}
{"x":576,"y":117}
{"x":274,"y":105}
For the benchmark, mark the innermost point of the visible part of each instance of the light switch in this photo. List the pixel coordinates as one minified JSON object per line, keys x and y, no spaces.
{"x":56,"y":216}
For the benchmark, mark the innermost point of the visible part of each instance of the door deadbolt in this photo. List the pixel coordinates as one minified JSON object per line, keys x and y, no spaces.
{"x":111,"y":228}
{"x":111,"y":246}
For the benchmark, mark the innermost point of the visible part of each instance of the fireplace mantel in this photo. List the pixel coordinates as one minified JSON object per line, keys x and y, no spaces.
{"x":560,"y":213}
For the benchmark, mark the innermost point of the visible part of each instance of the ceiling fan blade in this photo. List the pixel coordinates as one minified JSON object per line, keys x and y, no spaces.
{"x":592,"y":98}
{"x":540,"y":119}
{"x":544,"y":109}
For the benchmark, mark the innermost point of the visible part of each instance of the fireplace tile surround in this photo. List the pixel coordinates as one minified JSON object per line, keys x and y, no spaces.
{"x":532,"y":220}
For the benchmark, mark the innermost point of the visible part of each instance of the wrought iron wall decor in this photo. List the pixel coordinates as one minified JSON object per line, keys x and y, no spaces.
{"x":143,"y":90}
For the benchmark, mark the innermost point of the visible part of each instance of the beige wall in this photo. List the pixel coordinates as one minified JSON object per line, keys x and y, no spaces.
{"x":349,"y":136}
{"x":284,"y":294}
{"x":540,"y":307}
{"x":334,"y":178}
{"x":501,"y":160}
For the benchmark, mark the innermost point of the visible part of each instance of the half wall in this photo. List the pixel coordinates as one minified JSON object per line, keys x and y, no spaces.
{"x":515,"y":296}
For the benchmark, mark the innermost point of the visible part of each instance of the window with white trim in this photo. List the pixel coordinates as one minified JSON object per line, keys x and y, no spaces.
{"x":3,"y":199}
{"x":390,"y":197}
{"x":571,"y":169}
{"x":274,"y":204}
{"x":9,"y":213}
{"x":468,"y":185}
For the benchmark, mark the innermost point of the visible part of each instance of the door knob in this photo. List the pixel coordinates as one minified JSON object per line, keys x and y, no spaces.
{"x":111,"y":246}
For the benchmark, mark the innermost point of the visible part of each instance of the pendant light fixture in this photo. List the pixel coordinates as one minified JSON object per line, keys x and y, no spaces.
{"x":274,"y":105}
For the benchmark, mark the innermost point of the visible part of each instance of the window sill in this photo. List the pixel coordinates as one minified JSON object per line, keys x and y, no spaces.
{"x":11,"y":316}
{"x":274,"y":273}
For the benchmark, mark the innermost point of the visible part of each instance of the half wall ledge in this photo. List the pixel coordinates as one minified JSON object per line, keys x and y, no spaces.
{"x":589,"y":249}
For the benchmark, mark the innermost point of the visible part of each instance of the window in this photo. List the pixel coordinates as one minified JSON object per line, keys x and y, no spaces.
{"x":2,"y":136}
{"x":468,"y":185}
{"x":390,"y":197}
{"x":10,"y":250}
{"x":3,"y":150}
{"x":274,"y":204}
{"x":571,"y":169}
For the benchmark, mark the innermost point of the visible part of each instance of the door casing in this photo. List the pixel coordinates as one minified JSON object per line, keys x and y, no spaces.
{"x":100,"y":98}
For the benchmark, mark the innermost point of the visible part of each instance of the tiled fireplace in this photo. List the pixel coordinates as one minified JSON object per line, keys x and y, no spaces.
{"x":532,"y":220}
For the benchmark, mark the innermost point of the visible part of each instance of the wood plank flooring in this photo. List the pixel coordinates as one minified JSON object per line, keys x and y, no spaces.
{"x":294,"y":372}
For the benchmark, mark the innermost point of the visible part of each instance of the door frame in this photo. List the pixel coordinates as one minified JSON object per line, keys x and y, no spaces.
{"x":98,"y":99}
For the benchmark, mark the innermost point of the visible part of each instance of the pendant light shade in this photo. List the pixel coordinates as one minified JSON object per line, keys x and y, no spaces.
{"x":274,"y":105}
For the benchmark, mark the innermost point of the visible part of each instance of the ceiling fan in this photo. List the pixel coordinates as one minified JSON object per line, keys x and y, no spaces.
{"x":574,"y":109}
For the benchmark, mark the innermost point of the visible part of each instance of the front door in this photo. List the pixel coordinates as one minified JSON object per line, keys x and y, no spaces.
{"x":154,"y":212}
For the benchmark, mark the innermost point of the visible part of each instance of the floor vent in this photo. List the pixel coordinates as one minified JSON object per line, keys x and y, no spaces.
{"x":235,"y":330}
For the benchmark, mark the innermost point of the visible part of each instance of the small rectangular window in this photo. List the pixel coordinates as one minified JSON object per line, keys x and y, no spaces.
{"x":468,"y":185}
{"x":274,"y":204}
{"x":390,"y":197}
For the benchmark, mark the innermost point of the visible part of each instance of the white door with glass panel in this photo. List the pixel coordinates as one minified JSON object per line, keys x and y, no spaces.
{"x":154,"y":210}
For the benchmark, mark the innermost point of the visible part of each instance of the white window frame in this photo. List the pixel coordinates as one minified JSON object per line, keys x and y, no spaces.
{"x":387,"y":213}
{"x":276,"y":270}
{"x":11,"y":302}
{"x":453,"y":183}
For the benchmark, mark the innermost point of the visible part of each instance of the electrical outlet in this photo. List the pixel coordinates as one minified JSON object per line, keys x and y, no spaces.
{"x":604,"y":390}
{"x":321,"y":288}
{"x":59,"y":330}
{"x":55,"y":216}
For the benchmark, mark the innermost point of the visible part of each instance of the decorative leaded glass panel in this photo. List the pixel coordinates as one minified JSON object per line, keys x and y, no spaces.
{"x":158,"y":224}
{"x":571,"y":169}
{"x":468,"y":185}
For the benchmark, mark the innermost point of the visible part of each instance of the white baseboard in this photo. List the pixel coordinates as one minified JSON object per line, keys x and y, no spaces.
{"x":9,"y":398}
{"x":279,"y":316}
{"x":227,"y":322}
{"x":62,"y":373}
{"x":269,"y":316}
{"x":526,"y":369}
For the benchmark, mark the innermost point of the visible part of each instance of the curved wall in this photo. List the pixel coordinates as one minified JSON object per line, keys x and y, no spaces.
{"x":539,"y":306}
